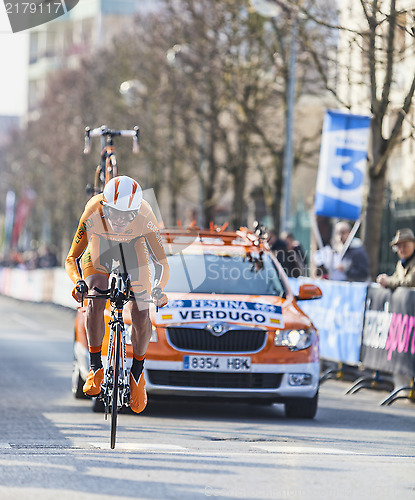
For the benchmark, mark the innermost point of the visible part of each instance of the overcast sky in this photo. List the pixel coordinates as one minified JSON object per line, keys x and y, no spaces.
{"x":13,"y":57}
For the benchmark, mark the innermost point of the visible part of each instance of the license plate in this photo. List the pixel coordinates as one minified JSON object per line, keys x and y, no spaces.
{"x":217,"y":363}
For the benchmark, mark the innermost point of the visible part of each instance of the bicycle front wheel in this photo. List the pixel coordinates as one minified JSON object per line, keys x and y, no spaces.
{"x":114,"y":407}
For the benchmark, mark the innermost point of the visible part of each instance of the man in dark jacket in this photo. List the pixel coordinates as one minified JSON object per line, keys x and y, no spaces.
{"x":354,"y":265}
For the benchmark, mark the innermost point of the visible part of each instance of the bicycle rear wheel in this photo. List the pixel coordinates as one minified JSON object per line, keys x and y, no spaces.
{"x":114,"y":407}
{"x":99,"y":180}
{"x":111,"y":168}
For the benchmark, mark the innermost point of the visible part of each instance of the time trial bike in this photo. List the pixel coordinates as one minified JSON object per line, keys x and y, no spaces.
{"x":115,"y":389}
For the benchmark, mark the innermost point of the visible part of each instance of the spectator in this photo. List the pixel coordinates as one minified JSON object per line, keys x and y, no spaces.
{"x":296,"y":256}
{"x":326,"y":260}
{"x":30,"y":260}
{"x":352,"y":265}
{"x":288,"y":252}
{"x":272,"y":238}
{"x":355,"y":261}
{"x":16,"y":259}
{"x":404,"y":245}
{"x":279,"y":249}
{"x":47,"y":257}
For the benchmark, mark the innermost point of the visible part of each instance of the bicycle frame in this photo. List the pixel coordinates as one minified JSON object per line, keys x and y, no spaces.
{"x":107,"y":169}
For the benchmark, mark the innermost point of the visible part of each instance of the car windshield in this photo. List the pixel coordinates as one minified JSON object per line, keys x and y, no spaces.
{"x":224,"y":274}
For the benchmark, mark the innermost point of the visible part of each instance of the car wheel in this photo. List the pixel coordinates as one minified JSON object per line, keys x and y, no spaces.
{"x":77,"y":383}
{"x":301,"y":407}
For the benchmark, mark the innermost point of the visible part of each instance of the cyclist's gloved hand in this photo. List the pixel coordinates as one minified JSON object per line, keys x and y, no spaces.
{"x":159,"y":297}
{"x":81,"y":289}
{"x":156,"y":293}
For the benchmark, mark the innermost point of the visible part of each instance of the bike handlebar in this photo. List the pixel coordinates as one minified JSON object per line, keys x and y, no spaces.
{"x":108,"y":291}
{"x":107,"y":296}
{"x":104,"y":132}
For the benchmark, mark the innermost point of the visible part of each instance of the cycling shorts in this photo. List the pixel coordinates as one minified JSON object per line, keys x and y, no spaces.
{"x":101,"y":256}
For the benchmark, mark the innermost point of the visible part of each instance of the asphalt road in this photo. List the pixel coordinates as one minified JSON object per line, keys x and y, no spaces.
{"x":54,"y":447}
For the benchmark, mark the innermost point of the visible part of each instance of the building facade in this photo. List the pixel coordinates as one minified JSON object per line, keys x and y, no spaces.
{"x":61,"y":43}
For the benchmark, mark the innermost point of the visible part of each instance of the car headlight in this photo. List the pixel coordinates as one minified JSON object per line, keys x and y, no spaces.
{"x":128,"y":328}
{"x":294,"y":339}
{"x":154,"y":336}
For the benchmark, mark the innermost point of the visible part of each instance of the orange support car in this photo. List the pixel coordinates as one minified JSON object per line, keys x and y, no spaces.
{"x":232,"y":328}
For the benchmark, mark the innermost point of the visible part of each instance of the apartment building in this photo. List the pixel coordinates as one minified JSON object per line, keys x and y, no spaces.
{"x":62,"y":42}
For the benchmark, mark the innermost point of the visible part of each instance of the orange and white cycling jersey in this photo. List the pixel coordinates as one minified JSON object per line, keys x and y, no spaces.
{"x":99,"y":247}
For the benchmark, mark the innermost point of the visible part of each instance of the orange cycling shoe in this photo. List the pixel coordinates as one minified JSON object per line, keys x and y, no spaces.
{"x":138,"y":399}
{"x":92,"y":386}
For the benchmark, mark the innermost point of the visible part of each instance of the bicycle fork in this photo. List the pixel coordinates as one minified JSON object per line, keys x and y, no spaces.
{"x":124,"y":383}
{"x":107,"y":386}
{"x":117,"y":334}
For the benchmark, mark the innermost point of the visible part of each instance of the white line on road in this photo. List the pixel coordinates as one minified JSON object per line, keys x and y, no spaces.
{"x":304,"y":450}
{"x":141,"y":447}
{"x":32,"y":325}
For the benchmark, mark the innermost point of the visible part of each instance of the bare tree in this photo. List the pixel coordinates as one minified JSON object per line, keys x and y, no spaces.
{"x":234,"y":71}
{"x":375,"y":37}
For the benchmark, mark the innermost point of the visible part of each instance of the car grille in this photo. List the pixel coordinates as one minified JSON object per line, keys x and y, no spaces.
{"x":202,"y":340}
{"x":215,"y":380}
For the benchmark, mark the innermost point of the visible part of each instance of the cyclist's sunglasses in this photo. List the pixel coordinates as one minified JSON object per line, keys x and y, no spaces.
{"x":113,"y":213}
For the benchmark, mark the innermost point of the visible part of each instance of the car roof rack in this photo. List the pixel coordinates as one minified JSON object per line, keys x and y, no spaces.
{"x":242,"y":237}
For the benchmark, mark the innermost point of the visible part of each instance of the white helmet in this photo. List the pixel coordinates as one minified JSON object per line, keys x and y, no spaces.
{"x":123,"y":194}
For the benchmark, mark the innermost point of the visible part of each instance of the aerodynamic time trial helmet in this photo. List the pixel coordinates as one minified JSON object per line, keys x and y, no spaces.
{"x":122,"y":194}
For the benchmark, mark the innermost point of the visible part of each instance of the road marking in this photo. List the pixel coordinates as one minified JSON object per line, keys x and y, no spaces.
{"x":141,"y":447}
{"x":304,"y":450}
{"x":32,"y":325}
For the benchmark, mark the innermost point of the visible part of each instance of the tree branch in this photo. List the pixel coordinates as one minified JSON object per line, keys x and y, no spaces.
{"x":397,"y":127}
{"x":372,"y":22}
{"x":389,"y":59}
{"x":320,"y":69}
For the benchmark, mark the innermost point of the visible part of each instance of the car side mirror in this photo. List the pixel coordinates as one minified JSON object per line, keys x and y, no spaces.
{"x":309,"y":291}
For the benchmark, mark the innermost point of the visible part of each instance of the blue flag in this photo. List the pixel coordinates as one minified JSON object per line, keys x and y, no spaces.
{"x":342,"y":166}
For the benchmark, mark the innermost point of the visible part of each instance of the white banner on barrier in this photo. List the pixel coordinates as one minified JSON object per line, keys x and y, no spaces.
{"x":338,"y":316}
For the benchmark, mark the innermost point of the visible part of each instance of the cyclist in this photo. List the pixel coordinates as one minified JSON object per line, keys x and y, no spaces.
{"x":118,"y":217}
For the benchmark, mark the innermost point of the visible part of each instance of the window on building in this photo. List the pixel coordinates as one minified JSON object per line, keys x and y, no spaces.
{"x":32,"y":95}
{"x":51,"y":48}
{"x":87,"y":31}
{"x":34,"y":47}
{"x":68,"y":38}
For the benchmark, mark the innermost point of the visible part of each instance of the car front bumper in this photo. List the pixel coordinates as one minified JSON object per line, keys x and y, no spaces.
{"x":263,"y":382}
